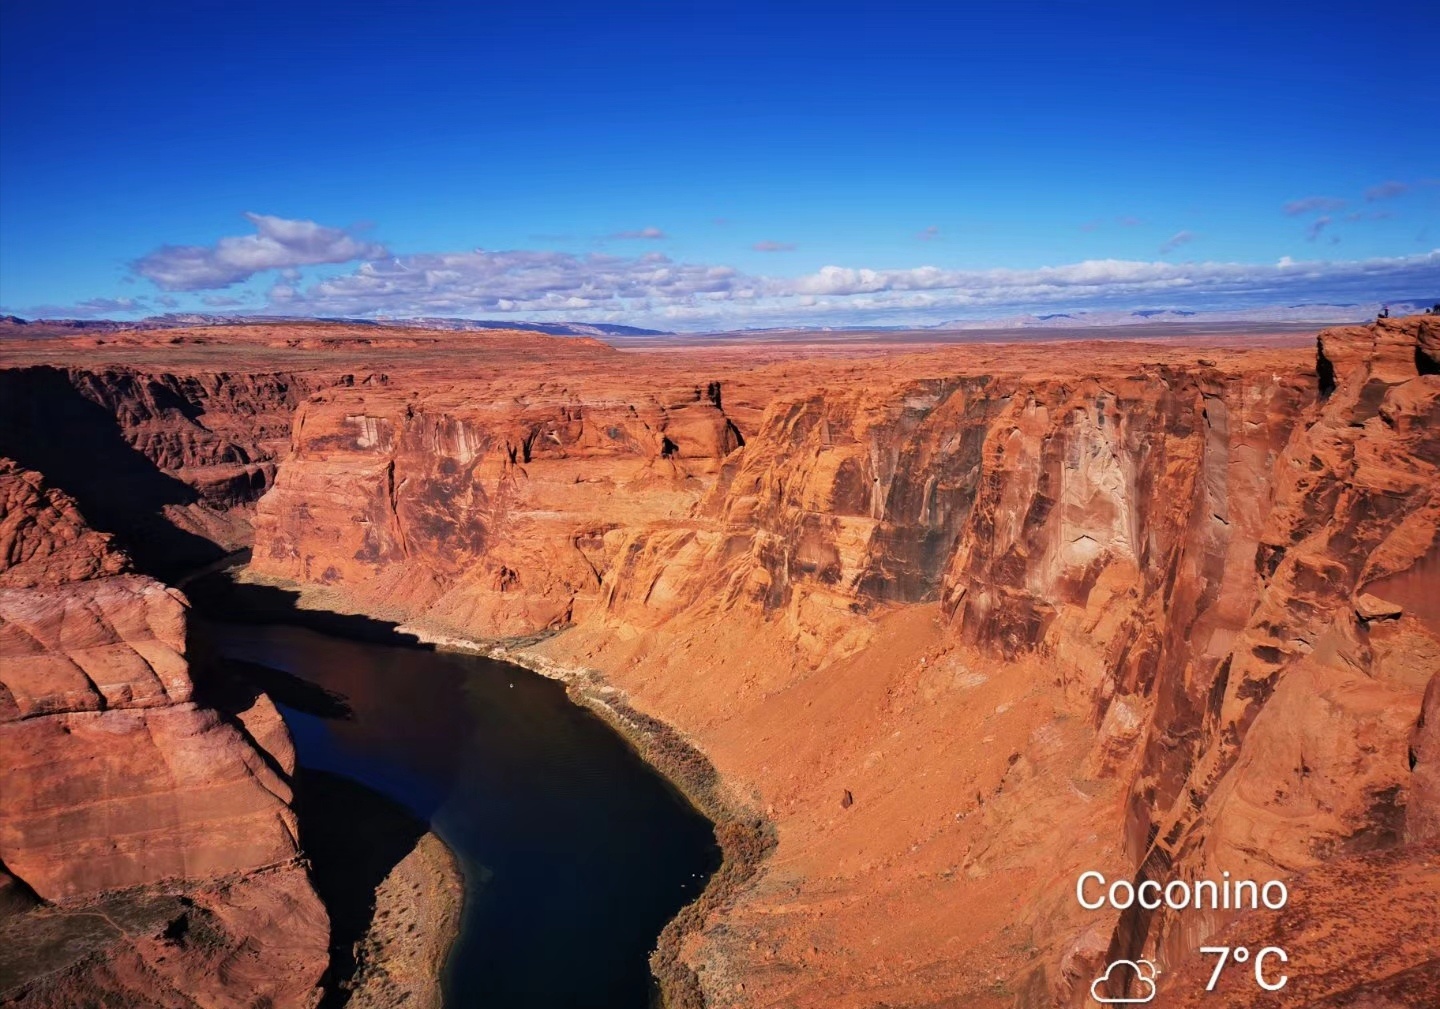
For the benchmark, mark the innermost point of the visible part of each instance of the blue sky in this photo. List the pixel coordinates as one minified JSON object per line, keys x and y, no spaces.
{"x":703,"y":165}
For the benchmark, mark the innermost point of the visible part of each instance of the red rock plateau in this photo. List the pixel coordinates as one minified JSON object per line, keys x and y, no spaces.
{"x":959,"y":622}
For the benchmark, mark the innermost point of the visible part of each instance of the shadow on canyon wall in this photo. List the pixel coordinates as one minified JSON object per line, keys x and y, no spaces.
{"x":216,"y":595}
{"x":354,"y":836}
{"x":48,"y":425}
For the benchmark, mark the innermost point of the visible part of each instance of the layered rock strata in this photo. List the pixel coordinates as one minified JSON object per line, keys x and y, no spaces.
{"x":171,"y":463}
{"x":963,"y":623}
{"x":148,"y":849}
{"x":149,"y":838}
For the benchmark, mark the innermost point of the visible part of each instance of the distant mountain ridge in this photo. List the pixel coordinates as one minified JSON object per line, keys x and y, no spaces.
{"x":1315,"y":313}
{"x":12,"y":325}
{"x":1308,"y":313}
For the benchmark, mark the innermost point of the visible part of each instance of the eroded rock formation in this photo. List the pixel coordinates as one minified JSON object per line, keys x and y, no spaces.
{"x":148,"y":845}
{"x":171,"y":463}
{"x":1154,"y":572}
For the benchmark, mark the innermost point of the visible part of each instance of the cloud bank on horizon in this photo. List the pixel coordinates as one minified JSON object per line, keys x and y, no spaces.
{"x":654,"y":289}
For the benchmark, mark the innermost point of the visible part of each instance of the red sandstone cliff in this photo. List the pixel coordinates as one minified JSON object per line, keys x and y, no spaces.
{"x":148,"y":853}
{"x":170,"y":462}
{"x":1152,"y":617}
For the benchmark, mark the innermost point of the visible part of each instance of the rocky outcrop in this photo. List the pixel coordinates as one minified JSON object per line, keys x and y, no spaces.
{"x":43,"y":539}
{"x":257,"y":938}
{"x":1422,"y":813}
{"x":483,"y":504}
{"x":417,"y":912}
{"x":1296,"y":751}
{"x":125,"y":802}
{"x":171,"y":463}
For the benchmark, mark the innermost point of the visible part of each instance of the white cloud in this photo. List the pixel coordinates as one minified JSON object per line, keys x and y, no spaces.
{"x":651,"y":234}
{"x":1312,"y":205}
{"x":651,"y":287}
{"x":1316,"y":227}
{"x":768,"y":246}
{"x":277,"y":244}
{"x":1175,"y":241}
{"x":1386,"y":190}
{"x":654,"y":288}
{"x":517,"y":281}
{"x":90,"y":308}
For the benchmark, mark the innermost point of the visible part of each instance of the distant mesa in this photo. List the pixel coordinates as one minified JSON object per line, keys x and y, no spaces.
{"x":1312,"y":314}
{"x":14,"y":325}
{"x":1308,"y":314}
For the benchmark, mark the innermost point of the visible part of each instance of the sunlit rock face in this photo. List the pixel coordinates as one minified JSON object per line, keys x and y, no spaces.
{"x":122,"y":792}
{"x":1182,"y":554}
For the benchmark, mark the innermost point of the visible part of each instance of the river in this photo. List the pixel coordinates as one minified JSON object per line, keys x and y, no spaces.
{"x":575,"y":851}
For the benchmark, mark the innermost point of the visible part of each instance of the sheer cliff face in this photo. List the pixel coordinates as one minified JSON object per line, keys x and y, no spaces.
{"x":1019,"y":502}
{"x":484,"y":504}
{"x":125,"y":800}
{"x":1241,"y":599}
{"x":171,"y":463}
{"x":1305,"y":714}
{"x":1140,"y":613}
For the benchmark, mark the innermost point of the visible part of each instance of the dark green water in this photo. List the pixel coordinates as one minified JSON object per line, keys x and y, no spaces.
{"x":576,"y":853}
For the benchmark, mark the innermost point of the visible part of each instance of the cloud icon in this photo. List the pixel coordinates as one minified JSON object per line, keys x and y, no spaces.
{"x":1145,"y":973}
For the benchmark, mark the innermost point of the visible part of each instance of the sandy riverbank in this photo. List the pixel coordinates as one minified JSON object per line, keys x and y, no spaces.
{"x":417,"y":917}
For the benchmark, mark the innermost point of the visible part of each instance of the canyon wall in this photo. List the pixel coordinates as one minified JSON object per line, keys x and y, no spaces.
{"x":148,"y":851}
{"x":1151,"y":614}
{"x":170,"y":462}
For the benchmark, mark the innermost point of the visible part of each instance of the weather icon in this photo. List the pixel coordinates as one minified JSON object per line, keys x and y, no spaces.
{"x":1142,"y":988}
